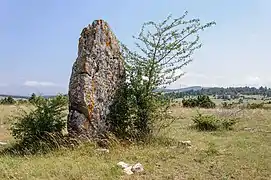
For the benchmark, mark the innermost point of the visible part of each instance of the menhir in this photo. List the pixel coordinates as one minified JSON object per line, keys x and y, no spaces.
{"x":97,"y":74}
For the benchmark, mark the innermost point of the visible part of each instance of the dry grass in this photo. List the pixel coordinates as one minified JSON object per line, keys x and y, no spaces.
{"x":5,"y":112}
{"x":237,"y":154}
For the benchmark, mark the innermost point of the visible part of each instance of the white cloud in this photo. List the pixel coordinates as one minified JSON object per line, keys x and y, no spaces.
{"x":253,"y":79}
{"x":37,"y":84}
{"x":198,"y":79}
{"x":257,"y":81}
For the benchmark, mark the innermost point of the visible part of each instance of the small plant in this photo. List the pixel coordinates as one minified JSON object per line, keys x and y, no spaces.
{"x":240,"y":101}
{"x":205,"y":122}
{"x":227,"y":105}
{"x":212,"y":150}
{"x":212,"y":122}
{"x":22,"y":101}
{"x":42,"y":124}
{"x":255,"y":106}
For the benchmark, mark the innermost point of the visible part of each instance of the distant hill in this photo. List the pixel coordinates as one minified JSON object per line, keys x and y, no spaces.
{"x":13,"y":96}
{"x":232,"y":91}
{"x":26,"y":91}
{"x":25,"y":97}
{"x":191,"y":88}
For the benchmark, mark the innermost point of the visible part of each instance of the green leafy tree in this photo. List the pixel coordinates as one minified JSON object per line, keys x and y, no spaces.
{"x":163,"y":49}
{"x":33,"y":97}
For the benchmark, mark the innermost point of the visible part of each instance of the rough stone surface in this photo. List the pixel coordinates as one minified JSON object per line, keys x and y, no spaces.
{"x":123,"y":164}
{"x":130,"y":169}
{"x":137,"y":168}
{"x":186,"y":143}
{"x":96,"y":75}
{"x":3,"y":143}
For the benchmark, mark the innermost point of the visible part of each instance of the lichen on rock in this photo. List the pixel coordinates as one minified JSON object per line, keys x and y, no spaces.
{"x":97,"y":74}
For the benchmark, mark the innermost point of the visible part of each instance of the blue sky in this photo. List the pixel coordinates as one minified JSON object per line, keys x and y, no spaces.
{"x":39,"y":39}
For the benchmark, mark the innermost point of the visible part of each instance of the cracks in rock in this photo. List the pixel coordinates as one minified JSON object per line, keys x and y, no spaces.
{"x":97,"y":68}
{"x":86,"y":73}
{"x":88,"y":122}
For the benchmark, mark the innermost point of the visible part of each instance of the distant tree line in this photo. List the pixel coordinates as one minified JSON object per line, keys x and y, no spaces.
{"x":33,"y":99}
{"x":233,"y":91}
{"x":7,"y":100}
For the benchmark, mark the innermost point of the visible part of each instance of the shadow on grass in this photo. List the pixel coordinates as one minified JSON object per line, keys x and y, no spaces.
{"x":37,"y":146}
{"x":42,"y":145}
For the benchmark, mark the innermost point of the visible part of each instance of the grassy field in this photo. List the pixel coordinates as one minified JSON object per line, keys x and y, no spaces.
{"x":238,"y":154}
{"x":5,"y":113}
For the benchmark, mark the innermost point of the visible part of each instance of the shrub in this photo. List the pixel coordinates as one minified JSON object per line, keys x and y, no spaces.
{"x":22,"y":101}
{"x":255,"y":106}
{"x":45,"y":120}
{"x":241,"y":101}
{"x":227,"y":105}
{"x":141,"y":116}
{"x":212,"y":150}
{"x":190,"y":103}
{"x":205,"y":102}
{"x":212,"y":122}
{"x":202,"y":101}
{"x":8,"y":100}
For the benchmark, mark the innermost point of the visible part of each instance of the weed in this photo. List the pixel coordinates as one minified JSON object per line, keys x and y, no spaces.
{"x":212,"y":123}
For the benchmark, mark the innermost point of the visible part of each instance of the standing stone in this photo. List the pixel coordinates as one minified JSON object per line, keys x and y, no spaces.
{"x":97,"y":74}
